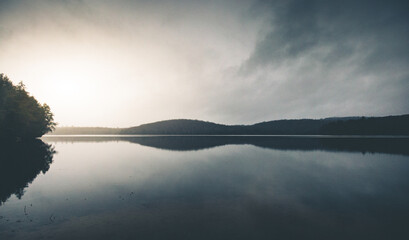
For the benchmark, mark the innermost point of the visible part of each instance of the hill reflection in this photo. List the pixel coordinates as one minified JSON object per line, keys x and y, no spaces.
{"x":391,"y":145}
{"x":20,"y":164}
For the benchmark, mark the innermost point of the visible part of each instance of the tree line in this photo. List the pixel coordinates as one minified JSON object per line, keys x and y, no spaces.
{"x":21,"y":115}
{"x":390,"y":125}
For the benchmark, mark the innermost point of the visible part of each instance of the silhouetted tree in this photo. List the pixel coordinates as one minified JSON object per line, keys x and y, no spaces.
{"x":21,"y":115}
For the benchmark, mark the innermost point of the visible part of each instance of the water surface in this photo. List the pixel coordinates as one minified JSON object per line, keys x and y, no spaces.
{"x":202,"y":187}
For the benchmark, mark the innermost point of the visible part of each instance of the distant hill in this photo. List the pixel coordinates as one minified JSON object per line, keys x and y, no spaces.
{"x":390,"y":125}
{"x":183,"y":127}
{"x":85,"y":131}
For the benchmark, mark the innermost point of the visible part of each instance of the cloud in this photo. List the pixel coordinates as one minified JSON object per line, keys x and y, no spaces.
{"x":224,"y":61}
{"x":343,"y":26}
{"x":321,"y":58}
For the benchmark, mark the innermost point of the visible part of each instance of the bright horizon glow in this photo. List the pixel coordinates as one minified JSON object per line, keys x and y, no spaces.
{"x":122,"y":64}
{"x":93,"y":74}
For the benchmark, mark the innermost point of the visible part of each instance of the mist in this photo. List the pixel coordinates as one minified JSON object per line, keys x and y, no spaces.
{"x":124,"y":63}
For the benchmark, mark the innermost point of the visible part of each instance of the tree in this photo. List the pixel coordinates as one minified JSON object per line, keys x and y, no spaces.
{"x":21,"y":115}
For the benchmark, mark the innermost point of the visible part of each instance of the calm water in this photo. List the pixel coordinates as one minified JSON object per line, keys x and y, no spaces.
{"x":205,"y":188}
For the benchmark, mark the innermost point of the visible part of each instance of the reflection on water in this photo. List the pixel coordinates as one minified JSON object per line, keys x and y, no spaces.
{"x":246,"y":188}
{"x":20,"y":164}
{"x":395,"y":145}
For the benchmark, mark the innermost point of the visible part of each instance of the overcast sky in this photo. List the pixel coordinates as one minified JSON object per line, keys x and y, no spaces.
{"x":124,"y":63}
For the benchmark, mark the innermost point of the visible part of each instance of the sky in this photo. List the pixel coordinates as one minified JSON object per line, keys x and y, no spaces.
{"x":124,"y":63}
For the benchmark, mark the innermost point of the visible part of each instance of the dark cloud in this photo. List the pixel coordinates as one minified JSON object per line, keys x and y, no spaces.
{"x":5,"y":3}
{"x":344,"y":26}
{"x":318,"y":58}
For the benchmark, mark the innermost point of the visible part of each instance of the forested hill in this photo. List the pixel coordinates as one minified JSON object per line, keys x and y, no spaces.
{"x":183,"y":126}
{"x":390,"y":125}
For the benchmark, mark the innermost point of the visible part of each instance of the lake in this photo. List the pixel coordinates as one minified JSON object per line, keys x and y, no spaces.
{"x":205,"y":187}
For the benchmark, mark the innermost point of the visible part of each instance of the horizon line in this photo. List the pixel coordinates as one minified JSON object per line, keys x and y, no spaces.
{"x":283,"y":119}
